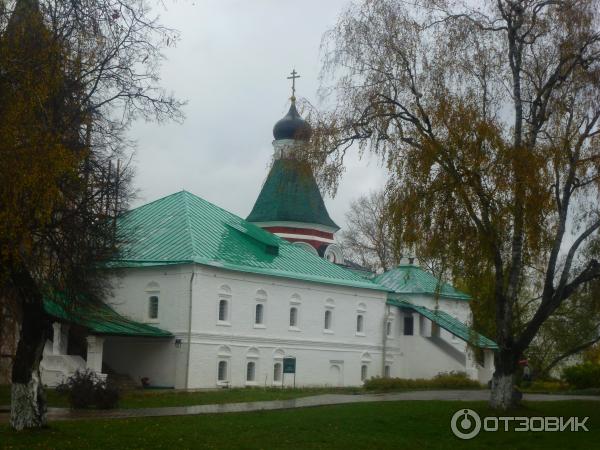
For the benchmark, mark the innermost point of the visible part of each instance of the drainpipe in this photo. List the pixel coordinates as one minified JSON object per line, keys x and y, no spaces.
{"x":189,"y":334}
{"x":384,"y":351}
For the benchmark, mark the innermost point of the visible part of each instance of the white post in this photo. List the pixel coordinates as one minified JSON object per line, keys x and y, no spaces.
{"x":471,"y":364}
{"x":95,"y":346}
{"x":57,"y":338}
{"x":416,"y":324}
{"x":425,"y":325}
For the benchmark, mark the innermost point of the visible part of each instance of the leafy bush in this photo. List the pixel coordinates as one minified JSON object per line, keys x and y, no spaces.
{"x":85,"y":389}
{"x":582,"y":376}
{"x":443,"y":380}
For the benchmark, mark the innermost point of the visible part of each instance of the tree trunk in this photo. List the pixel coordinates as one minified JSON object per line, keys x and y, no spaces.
{"x":504,"y":394}
{"x":28,"y":402}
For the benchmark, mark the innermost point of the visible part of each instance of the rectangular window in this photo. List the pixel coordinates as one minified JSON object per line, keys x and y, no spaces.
{"x":277,"y":372}
{"x":251,"y":371}
{"x":222,"y":372}
{"x":223,"y":310}
{"x":153,"y":307}
{"x":328,"y":320}
{"x":258,"y":317}
{"x":360,"y":326}
{"x":408,"y":326}
{"x":293,"y":317}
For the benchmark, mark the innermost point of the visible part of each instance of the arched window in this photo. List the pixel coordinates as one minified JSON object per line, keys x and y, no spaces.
{"x":259,"y":314}
{"x":363,"y":372}
{"x":223,"y":310}
{"x":153,"y":307}
{"x":360,"y":326}
{"x":293,"y":316}
{"x":328,"y":315}
{"x":222,"y":372}
{"x":153,"y":294}
{"x":224,"y":305}
{"x":277,"y":371}
{"x":251,"y":371}
{"x":387,"y":371}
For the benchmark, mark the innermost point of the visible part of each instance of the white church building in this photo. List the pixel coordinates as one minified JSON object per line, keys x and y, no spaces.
{"x":204,"y":299}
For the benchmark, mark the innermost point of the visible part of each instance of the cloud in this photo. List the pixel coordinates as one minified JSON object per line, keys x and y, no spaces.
{"x":231,"y":65}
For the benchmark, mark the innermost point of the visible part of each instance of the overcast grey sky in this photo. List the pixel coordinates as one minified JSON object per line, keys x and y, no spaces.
{"x":231,"y":66}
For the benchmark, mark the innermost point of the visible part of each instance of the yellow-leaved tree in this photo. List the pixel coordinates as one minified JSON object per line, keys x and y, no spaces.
{"x":488,"y":115}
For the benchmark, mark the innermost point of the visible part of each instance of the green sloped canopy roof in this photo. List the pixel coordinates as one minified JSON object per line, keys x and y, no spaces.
{"x":410,"y":279}
{"x":183,"y":228}
{"x":101,"y":319}
{"x":449,"y":323}
{"x":290,"y":194}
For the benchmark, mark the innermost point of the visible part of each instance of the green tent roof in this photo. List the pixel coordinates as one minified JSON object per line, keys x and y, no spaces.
{"x":410,"y":279}
{"x":449,"y":323}
{"x":290,"y":194}
{"x":183,"y":228}
{"x":101,"y":319}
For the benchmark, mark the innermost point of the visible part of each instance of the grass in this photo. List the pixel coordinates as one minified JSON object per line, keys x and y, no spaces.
{"x":409,"y":424}
{"x":159,"y":398}
{"x":555,"y":387}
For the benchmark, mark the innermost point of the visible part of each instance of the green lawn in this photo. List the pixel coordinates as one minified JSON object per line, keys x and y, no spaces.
{"x":406,"y":425}
{"x":158,"y":398}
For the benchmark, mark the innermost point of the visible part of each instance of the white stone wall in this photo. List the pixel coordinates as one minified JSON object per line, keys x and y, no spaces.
{"x":431,"y":350}
{"x":316,"y":349}
{"x":323,"y":357}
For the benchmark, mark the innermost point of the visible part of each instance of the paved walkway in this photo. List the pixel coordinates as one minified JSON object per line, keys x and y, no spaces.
{"x":303,"y":402}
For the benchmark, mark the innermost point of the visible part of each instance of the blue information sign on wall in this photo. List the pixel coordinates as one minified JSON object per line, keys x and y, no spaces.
{"x":289,"y":365}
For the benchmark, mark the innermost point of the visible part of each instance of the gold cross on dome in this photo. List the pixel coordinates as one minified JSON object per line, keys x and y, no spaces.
{"x":293,"y":78}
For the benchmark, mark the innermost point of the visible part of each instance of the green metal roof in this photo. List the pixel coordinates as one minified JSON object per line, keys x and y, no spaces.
{"x":290,"y":194}
{"x":183,"y":228}
{"x":410,"y":279}
{"x":449,"y":323}
{"x":101,"y":319}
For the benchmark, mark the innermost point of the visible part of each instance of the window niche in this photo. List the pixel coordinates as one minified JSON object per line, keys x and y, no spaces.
{"x":153,"y":300}
{"x":278,"y":355}
{"x":294,"y":313}
{"x":223,"y":357}
{"x":260,"y":309}
{"x":224,"y":306}
{"x":251,"y":372}
{"x":365,"y":361}
{"x":328,"y":316}
{"x":361,"y":310}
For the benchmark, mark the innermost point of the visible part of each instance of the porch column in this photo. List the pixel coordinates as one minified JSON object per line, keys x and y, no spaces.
{"x":60,"y":339}
{"x":95,"y":345}
{"x":471,"y":366}
{"x":425,"y":326}
{"x":56,"y":338}
{"x":416,"y":324}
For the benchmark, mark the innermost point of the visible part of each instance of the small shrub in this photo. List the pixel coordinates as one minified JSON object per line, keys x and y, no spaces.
{"x":583,"y":376}
{"x":106,"y":397}
{"x":443,"y":380}
{"x":85,"y":389}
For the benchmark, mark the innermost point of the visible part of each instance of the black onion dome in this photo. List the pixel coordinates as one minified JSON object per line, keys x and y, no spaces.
{"x":292,"y":126}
